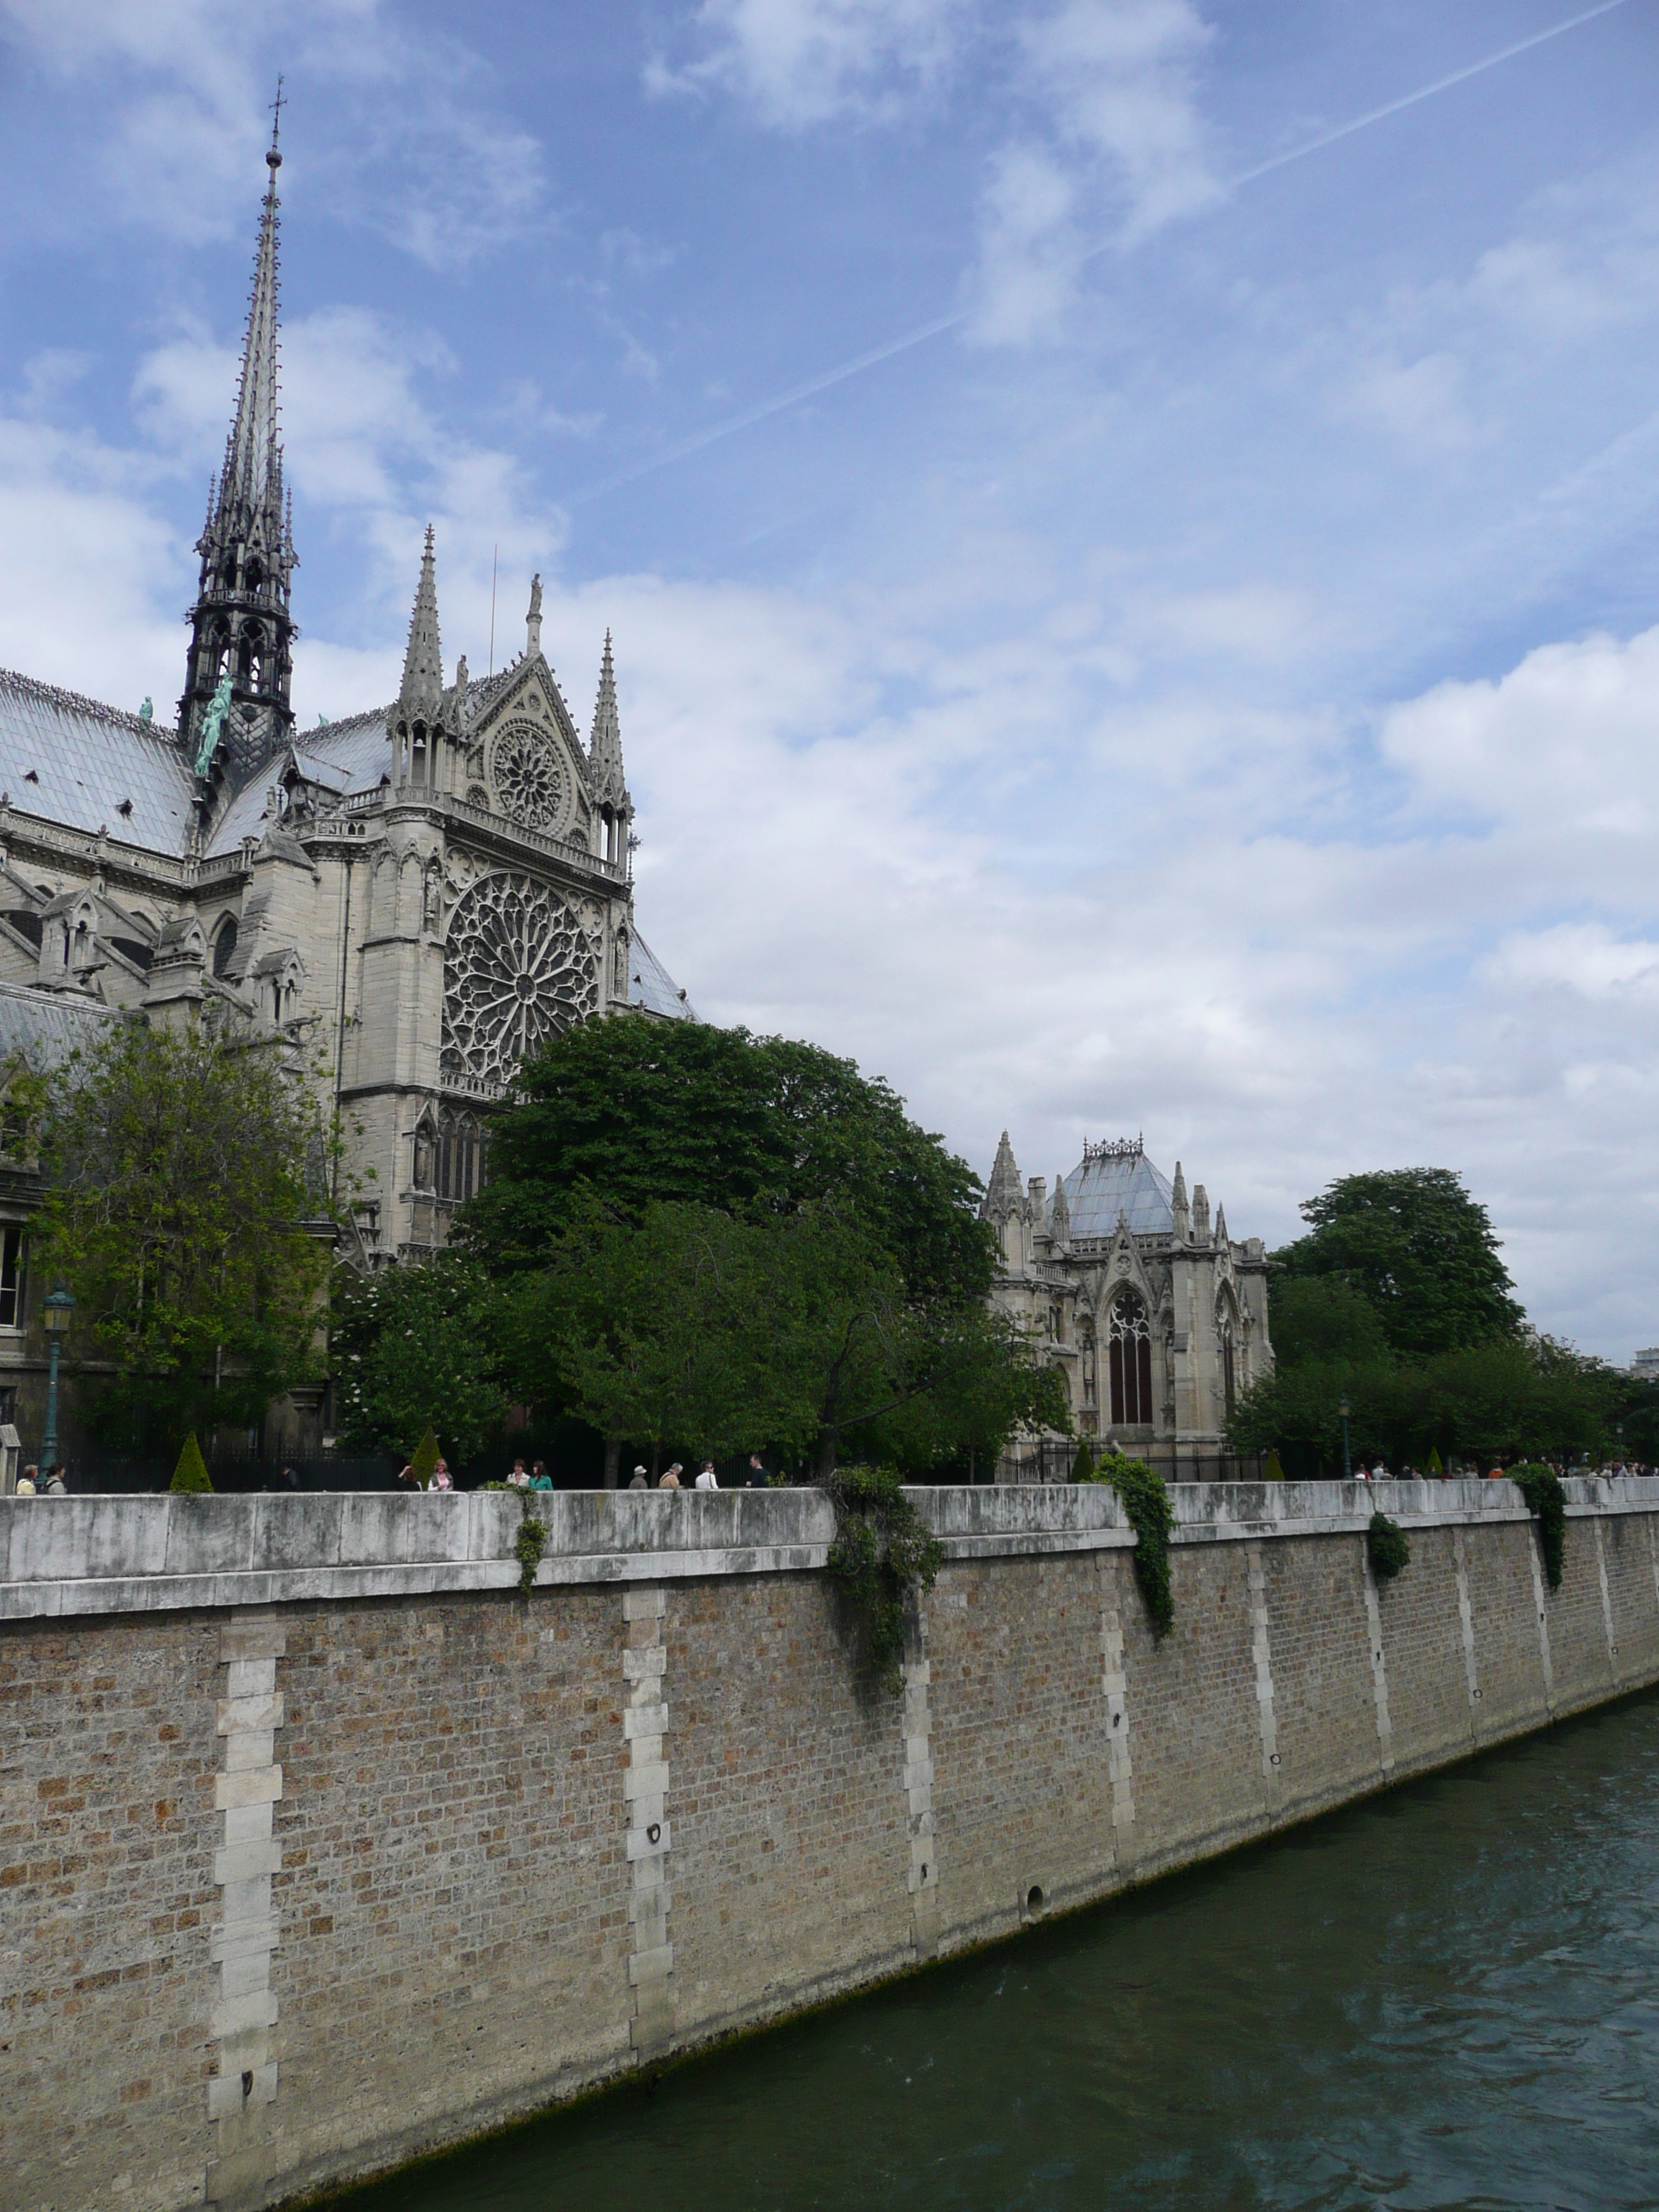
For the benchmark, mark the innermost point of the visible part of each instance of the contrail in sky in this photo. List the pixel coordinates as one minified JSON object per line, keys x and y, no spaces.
{"x":780,"y":401}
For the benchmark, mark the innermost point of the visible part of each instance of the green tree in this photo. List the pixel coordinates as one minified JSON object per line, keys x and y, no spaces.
{"x":414,"y":1347}
{"x":1324,"y":1318}
{"x":1420,"y":1249}
{"x":646,"y":1113}
{"x":186,"y":1209}
{"x":722,"y":1332}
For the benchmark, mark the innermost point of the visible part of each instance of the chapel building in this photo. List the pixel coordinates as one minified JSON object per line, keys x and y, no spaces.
{"x":1155,"y":1319}
{"x":411,"y":900}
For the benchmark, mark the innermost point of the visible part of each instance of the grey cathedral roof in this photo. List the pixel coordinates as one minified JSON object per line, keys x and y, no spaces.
{"x":89,"y":767}
{"x":1118,"y":1179}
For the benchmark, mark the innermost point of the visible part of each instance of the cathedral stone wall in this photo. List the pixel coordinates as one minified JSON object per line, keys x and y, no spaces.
{"x":320,"y":1845}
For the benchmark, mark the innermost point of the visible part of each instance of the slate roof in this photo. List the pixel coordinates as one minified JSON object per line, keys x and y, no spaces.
{"x":43,"y":1027}
{"x":71,"y":760}
{"x":1122,"y":1182}
{"x":651,"y":986}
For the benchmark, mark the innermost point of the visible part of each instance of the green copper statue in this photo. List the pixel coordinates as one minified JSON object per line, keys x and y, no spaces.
{"x":213,"y":720}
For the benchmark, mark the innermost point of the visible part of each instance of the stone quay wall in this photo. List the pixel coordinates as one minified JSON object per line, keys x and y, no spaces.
{"x":320,"y":1846}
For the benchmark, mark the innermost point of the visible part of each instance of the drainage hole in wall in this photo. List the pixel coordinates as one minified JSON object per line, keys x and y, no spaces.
{"x":1477,"y":1695}
{"x":1117,"y":1720}
{"x":1275,"y":1759}
{"x":247,"y":2084}
{"x":924,"y":1870}
{"x":654,"y":1833}
{"x":1036,"y":1901}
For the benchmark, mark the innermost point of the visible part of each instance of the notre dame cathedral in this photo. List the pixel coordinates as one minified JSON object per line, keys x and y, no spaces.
{"x":1156,"y":1318}
{"x":417,"y":895}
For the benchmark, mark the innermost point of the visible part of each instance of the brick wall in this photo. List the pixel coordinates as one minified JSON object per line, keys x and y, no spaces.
{"x":292,"y":1890}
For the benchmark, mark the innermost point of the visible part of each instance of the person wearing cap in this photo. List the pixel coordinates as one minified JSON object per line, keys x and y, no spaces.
{"x":641,"y":1481}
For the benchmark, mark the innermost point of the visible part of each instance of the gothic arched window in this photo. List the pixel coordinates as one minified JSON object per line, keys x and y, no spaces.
{"x":224,"y":945}
{"x":1226,"y":1339}
{"x":1129,"y":1338}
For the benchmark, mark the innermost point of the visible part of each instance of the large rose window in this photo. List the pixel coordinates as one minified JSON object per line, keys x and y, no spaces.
{"x":518,"y":966}
{"x":531,"y":780}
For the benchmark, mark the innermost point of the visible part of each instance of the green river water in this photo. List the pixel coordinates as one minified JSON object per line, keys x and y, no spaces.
{"x":1448,"y":1996}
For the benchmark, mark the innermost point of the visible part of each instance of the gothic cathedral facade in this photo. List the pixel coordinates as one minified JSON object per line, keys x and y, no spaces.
{"x":414,"y":898}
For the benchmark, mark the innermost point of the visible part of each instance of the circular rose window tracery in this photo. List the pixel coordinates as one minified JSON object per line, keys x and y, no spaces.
{"x":517,"y":967}
{"x":532,"y":784}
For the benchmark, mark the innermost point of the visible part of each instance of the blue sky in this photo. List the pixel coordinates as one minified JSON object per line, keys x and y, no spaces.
{"x":1207,"y":686}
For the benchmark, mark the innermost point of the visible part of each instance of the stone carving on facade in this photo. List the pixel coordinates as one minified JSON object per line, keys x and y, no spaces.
{"x":517,"y":967}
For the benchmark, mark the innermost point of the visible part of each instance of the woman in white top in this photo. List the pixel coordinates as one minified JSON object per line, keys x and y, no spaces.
{"x":706,"y":1477}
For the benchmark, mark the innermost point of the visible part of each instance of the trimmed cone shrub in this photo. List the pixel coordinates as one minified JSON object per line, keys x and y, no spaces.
{"x":425,"y":1458}
{"x":1436,"y":1465}
{"x":1274,"y":1471}
{"x":1083,"y":1466}
{"x":191,"y":1474}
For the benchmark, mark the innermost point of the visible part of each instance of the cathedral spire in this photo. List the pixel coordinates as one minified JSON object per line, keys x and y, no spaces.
{"x":422,"y":687}
{"x":605,"y":745}
{"x":252,"y":459}
{"x":241,"y":631}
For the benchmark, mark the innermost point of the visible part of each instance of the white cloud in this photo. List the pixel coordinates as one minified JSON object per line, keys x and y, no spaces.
{"x":1123,"y":150}
{"x":801,"y":62}
{"x":420,"y":149}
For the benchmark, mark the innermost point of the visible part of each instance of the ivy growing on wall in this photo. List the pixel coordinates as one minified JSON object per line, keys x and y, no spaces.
{"x":882,"y":1553}
{"x":530,"y":1543}
{"x":1147,"y":1502}
{"x":1547,"y":1502}
{"x":1387,"y":1543}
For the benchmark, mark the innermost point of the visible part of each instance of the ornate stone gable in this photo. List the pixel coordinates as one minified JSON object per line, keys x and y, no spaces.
{"x":526,"y":761}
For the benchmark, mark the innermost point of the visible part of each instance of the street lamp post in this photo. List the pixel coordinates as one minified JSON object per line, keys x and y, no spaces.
{"x":1344,"y":1409}
{"x":55,"y":1312}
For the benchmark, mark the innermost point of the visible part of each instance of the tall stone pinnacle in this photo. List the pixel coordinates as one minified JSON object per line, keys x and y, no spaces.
{"x":1003,"y":1192}
{"x":422,"y":687}
{"x":605,"y":745}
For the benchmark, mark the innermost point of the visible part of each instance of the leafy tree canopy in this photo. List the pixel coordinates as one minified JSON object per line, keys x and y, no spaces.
{"x":1420,"y":1249}
{"x":181,"y":1173}
{"x":722,"y":1333}
{"x":649,"y":1113}
{"x":413,"y":1349}
{"x":1324,"y":1318}
{"x":1489,"y":1403}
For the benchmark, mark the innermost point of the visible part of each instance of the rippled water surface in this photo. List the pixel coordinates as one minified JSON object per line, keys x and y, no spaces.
{"x":1447,"y":1997}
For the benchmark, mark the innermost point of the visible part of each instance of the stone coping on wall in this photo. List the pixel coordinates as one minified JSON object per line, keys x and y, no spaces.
{"x":63,"y":1556}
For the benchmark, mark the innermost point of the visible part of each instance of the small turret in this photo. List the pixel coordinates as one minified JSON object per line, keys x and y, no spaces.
{"x":1178,"y":1205}
{"x":1201,"y":1214}
{"x":1002,"y":1194}
{"x":1221,"y":1223}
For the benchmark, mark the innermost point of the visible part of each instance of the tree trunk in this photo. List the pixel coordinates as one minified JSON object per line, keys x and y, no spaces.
{"x":612,"y":1458}
{"x":826,"y":1465}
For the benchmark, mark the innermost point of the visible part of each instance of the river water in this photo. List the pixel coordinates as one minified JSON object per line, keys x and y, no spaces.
{"x":1447,"y":1997}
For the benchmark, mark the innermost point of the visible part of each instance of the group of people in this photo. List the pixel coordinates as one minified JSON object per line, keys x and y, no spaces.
{"x":54,"y":1484}
{"x":754,"y":1477}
